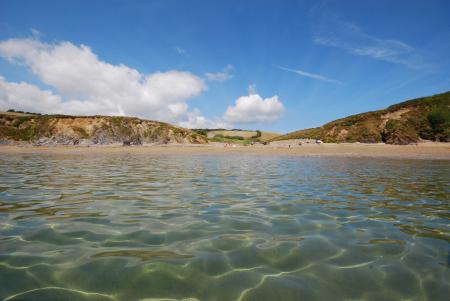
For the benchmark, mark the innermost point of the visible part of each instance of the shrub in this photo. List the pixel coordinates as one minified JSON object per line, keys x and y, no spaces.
{"x":202,"y":132}
{"x":369,"y":135}
{"x":439,"y":118}
{"x":258,"y":134}
{"x":397,"y":132}
{"x":18,"y":121}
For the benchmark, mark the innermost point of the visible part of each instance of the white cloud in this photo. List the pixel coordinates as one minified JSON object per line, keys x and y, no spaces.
{"x":310,"y":75}
{"x":224,"y":75}
{"x":81,"y":83}
{"x":249,"y":109}
{"x":197,"y":121}
{"x":333,"y":32}
{"x":27,"y":97}
{"x":254,"y":109}
{"x":87,"y":85}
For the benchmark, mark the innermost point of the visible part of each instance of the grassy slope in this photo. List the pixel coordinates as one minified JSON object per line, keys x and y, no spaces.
{"x":423,"y":118}
{"x":237,"y":136}
{"x":99,"y":129}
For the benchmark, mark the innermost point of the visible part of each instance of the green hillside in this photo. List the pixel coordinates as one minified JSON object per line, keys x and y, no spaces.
{"x":425,"y":118}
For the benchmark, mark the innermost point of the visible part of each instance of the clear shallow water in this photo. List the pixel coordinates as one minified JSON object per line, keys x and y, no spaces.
{"x":223,"y":227}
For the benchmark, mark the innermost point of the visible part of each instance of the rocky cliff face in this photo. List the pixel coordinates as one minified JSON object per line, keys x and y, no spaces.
{"x":425,"y":118}
{"x":78,"y":130}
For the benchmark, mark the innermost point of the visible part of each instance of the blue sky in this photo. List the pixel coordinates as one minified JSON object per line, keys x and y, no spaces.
{"x":322,"y":59}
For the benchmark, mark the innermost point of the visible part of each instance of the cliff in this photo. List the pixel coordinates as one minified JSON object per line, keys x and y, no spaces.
{"x":89,"y":130}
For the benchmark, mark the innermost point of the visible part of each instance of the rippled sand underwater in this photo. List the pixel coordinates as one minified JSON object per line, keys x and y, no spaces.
{"x":223,"y":227}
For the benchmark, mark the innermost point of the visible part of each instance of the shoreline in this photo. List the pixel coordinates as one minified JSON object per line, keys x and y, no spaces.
{"x":428,"y":150}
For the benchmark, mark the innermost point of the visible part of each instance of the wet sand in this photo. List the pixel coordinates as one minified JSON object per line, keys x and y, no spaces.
{"x":440,"y":151}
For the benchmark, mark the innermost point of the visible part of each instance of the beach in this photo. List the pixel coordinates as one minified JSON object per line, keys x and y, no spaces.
{"x":429,"y":150}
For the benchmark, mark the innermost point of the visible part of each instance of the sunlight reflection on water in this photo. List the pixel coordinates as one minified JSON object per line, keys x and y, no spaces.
{"x":221,"y":227}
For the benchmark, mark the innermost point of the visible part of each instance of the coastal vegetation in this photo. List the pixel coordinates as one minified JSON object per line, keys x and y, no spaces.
{"x":75,"y":130}
{"x":426,"y":118}
{"x":411,"y":121}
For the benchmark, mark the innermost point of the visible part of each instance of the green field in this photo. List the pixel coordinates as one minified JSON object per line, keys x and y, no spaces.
{"x":237,"y":136}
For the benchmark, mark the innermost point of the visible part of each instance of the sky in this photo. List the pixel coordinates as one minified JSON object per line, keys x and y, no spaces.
{"x":268,"y":65}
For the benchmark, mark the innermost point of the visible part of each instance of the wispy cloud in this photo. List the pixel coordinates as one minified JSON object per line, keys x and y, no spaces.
{"x":221,"y":76}
{"x":310,"y":75}
{"x":36,"y":33}
{"x":252,"y":89}
{"x":180,"y":51}
{"x":333,"y":32}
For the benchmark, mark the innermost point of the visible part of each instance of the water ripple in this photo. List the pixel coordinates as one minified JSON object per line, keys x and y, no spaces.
{"x":220,"y":227}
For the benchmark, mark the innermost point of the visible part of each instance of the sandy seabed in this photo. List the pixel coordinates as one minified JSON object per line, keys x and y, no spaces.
{"x":429,"y":150}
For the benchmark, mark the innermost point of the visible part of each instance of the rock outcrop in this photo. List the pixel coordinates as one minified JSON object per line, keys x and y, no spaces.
{"x":90,"y":130}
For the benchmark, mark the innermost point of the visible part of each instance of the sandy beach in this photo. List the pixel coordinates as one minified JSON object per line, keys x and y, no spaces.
{"x":438,"y":151}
